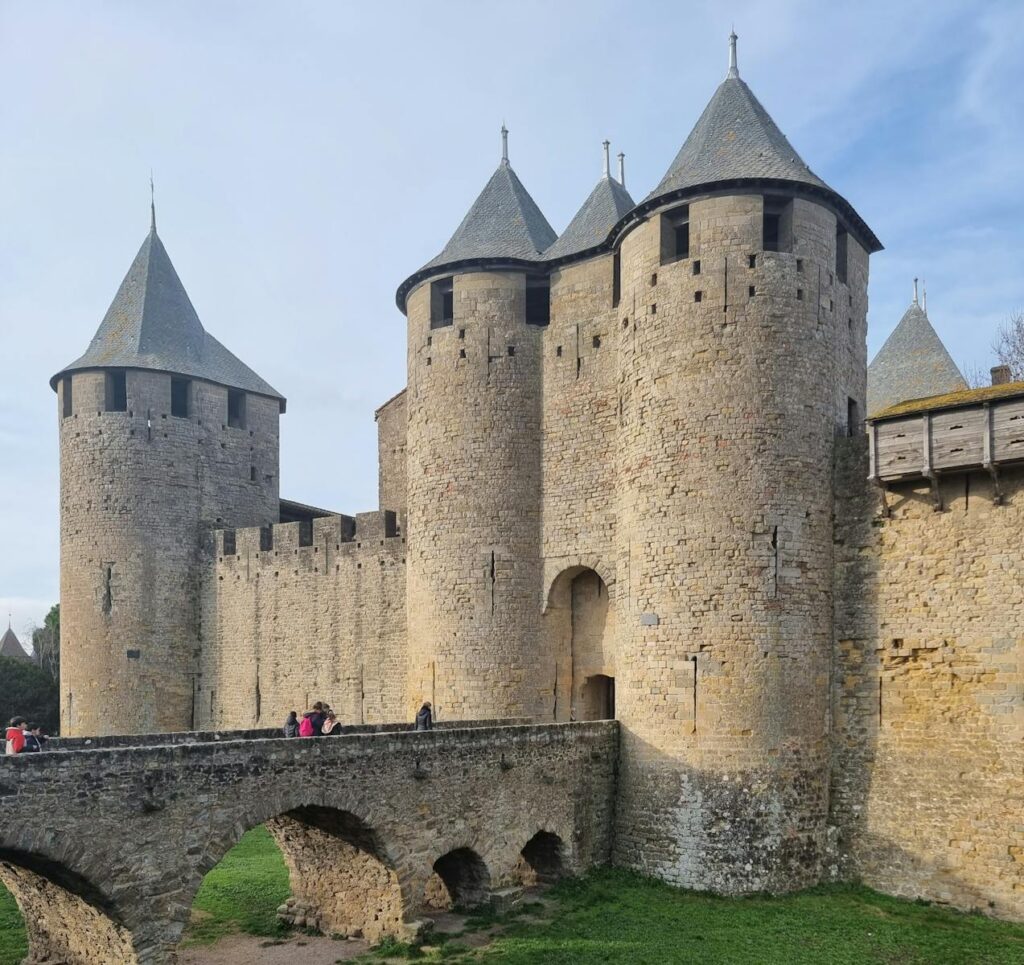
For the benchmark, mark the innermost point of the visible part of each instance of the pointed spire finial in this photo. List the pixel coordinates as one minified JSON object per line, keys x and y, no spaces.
{"x":924,"y":296}
{"x":733,"y":69}
{"x":915,"y":291}
{"x":152,"y":202}
{"x":622,"y":169}
{"x":607,"y":167}
{"x":504,"y":143}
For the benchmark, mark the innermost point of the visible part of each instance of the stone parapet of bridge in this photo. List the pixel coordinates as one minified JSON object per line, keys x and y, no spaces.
{"x":110,"y":845}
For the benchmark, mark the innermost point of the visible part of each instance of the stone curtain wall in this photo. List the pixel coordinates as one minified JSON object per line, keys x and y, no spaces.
{"x":727,"y":419}
{"x":928,"y":689}
{"x":138,"y":491}
{"x":293,"y":624}
{"x":131,"y":832}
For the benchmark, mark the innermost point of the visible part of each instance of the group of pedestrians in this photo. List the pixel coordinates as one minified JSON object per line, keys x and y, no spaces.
{"x":24,"y":737}
{"x":321,"y":721}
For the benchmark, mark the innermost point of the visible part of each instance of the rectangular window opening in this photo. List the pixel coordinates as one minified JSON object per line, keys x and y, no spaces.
{"x":538,"y":301}
{"x":442,"y":303}
{"x":596,"y":341}
{"x":229,"y":542}
{"x":252,"y":474}
{"x":753,"y":261}
{"x":841,"y":254}
{"x":236,"y":409}
{"x":306,"y":532}
{"x":751,"y":291}
{"x":616,"y":279}
{"x":696,"y":266}
{"x":675,"y":235}
{"x":180,"y":391}
{"x":698,"y":295}
{"x":777,"y":224}
{"x":116,"y":392}
{"x":852,"y":417}
{"x":66,"y":397}
{"x":266,"y":538}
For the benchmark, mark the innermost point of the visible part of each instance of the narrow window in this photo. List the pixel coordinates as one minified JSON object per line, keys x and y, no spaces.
{"x":698,"y":295}
{"x":462,"y":353}
{"x":852,"y":417}
{"x":696,"y":266}
{"x":229,"y":543}
{"x":538,"y":301}
{"x":777,"y":224}
{"x":179,"y":397}
{"x":799,"y":264}
{"x":654,"y":279}
{"x":511,"y":350}
{"x":66,"y":397}
{"x":675,"y":235}
{"x":236,"y":409}
{"x":306,"y":532}
{"x":751,"y":290}
{"x":266,"y":538}
{"x":596,"y":341}
{"x":462,"y":333}
{"x":841,"y":237}
{"x":753,"y":261}
{"x":252,"y":474}
{"x":116,"y":392}
{"x":616,"y":279}
{"x":558,"y":351}
{"x":799,"y":294}
{"x":442,"y":303}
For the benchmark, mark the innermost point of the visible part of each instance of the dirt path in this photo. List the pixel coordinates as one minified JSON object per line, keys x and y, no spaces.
{"x":247,"y":950}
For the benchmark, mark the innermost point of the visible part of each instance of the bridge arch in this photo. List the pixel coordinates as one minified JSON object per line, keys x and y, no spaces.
{"x":344,"y":875}
{"x":579,"y":629}
{"x":541,"y":861}
{"x":461,"y":879}
{"x":67,"y":918}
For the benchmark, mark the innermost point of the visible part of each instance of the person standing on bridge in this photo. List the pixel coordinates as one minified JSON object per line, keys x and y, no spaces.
{"x":16,"y":736}
{"x":331,"y":724}
{"x":425,"y":717}
{"x":291,"y":725}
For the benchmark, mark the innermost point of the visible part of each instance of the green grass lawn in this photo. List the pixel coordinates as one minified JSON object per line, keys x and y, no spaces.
{"x":613,"y":916}
{"x":13,"y":942}
{"x":242,"y":892}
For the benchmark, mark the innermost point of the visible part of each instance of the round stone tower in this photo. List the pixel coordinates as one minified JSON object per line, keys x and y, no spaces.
{"x":741,"y":357}
{"x":164,"y":435}
{"x":476,"y":318}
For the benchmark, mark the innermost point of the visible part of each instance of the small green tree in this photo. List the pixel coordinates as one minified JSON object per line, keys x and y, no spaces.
{"x":28,"y":691}
{"x":46,"y":643}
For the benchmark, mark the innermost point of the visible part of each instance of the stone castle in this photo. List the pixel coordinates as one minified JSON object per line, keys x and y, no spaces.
{"x":637,"y":472}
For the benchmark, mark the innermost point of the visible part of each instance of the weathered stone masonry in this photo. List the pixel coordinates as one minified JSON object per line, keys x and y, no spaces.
{"x":120,"y":839}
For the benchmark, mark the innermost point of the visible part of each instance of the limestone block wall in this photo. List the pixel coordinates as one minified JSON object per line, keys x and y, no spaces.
{"x":474,"y":489}
{"x":139,"y":488}
{"x":286,"y":624}
{"x":728,"y":419}
{"x":580,"y":426}
{"x":392,"y":420}
{"x":928,"y":689}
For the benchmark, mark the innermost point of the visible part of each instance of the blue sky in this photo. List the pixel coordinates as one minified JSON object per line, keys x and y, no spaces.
{"x":309,"y":156}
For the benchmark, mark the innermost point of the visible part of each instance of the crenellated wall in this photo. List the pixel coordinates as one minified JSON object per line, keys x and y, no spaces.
{"x":287,"y":624}
{"x":928,"y":688}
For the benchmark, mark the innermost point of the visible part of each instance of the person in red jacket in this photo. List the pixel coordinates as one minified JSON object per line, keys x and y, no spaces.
{"x":16,"y":736}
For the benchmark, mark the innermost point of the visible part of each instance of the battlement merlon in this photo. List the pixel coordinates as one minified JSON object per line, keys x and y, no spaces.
{"x":374,"y":527}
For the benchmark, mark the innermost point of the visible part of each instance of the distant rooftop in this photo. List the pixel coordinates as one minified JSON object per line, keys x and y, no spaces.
{"x":912,"y":364}
{"x":10,"y":646}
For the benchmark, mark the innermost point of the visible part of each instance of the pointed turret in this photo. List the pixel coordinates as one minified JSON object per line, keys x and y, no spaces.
{"x":503,"y":224}
{"x":735,"y":141}
{"x":606,"y":205}
{"x":912,"y":364}
{"x":151,"y":324}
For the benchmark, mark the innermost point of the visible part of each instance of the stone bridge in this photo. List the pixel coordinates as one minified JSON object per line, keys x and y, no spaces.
{"x":104,"y":848}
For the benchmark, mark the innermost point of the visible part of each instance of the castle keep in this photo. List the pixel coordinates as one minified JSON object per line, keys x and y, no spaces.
{"x":629,"y":477}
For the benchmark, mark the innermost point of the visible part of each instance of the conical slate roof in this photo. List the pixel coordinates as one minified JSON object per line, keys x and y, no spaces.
{"x":912,"y":364}
{"x":504,"y":222}
{"x":151,"y":324}
{"x":734,"y":138}
{"x":607,"y":204}
{"x":10,"y":646}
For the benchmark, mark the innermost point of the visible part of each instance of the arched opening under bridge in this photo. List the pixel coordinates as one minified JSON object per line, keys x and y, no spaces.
{"x":66,"y":918}
{"x":460,"y":880}
{"x":541,"y":860}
